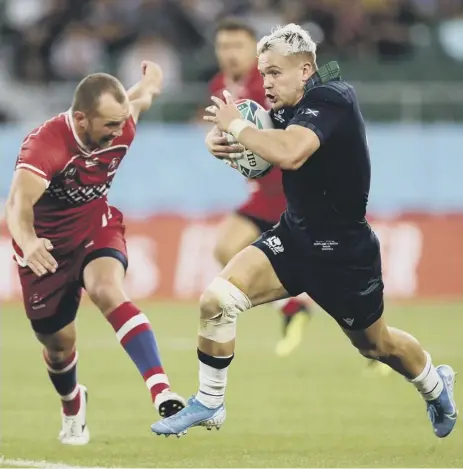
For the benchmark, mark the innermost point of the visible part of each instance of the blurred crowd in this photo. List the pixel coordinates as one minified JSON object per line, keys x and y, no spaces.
{"x":49,"y":40}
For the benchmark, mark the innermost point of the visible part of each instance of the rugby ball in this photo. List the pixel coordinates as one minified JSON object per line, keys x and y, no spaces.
{"x":248,"y":163}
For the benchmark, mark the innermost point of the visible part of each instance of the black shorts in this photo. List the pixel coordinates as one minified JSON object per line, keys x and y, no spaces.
{"x":262,"y":225}
{"x":342,"y":273}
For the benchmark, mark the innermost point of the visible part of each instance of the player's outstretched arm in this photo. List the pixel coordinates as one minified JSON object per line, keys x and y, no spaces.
{"x":26,"y":189}
{"x":289,"y":149}
{"x":141,"y":95}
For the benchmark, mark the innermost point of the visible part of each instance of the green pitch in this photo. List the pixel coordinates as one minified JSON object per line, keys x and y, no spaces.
{"x":316,"y":408}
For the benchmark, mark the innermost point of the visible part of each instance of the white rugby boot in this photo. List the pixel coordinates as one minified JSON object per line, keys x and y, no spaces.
{"x":74,"y":429}
{"x":168,"y":403}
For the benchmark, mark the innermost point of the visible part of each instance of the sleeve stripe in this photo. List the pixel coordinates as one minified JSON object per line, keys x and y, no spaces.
{"x":34,"y":170}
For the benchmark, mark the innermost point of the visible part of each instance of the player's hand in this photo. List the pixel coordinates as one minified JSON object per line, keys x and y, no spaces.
{"x":38,"y":258}
{"x":153,"y":72}
{"x":220,"y":146}
{"x":223,"y":112}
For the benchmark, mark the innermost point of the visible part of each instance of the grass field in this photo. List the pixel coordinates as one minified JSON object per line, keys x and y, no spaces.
{"x":316,"y":408}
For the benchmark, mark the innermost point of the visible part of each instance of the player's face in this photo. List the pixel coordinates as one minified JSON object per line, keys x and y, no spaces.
{"x":236,"y":52}
{"x":284,"y":77}
{"x":107,"y":123}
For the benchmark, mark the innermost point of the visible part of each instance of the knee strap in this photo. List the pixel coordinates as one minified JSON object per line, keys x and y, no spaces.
{"x":222,"y":327}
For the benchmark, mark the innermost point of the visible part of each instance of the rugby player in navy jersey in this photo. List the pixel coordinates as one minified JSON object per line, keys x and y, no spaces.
{"x":322,"y":245}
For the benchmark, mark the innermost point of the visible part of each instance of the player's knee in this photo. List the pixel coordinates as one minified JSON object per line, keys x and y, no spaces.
{"x":59,"y":346}
{"x":55,"y":356}
{"x":209,"y":304}
{"x":220,"y":305}
{"x":106,"y":294}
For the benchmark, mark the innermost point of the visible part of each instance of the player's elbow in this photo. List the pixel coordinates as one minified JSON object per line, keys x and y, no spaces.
{"x":141,"y":104}
{"x":299,"y":145}
{"x":293,"y":161}
{"x":145,"y":102}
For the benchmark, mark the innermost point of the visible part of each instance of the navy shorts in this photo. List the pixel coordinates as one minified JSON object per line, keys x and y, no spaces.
{"x":340,"y":271}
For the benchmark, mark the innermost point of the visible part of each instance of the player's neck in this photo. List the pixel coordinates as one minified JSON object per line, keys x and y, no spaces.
{"x":298,"y":100}
{"x":79,"y":135}
{"x":82,"y":139}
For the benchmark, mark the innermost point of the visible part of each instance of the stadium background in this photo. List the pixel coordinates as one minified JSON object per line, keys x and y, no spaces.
{"x":405,"y":58}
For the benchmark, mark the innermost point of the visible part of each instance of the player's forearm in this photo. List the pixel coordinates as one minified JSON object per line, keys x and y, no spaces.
{"x":144,"y":93}
{"x":20,"y":221}
{"x":273,"y":145}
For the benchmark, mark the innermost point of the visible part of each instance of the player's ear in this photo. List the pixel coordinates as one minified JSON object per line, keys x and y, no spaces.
{"x":307,"y":70}
{"x":80,"y":118}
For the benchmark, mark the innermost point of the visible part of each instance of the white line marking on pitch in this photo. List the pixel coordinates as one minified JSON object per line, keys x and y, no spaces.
{"x":37,"y":464}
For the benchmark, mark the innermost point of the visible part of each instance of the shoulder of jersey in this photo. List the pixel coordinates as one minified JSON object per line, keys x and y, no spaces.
{"x":51,"y":132}
{"x":338,"y":92}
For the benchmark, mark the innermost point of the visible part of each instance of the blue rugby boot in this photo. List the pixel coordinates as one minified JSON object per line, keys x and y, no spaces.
{"x":443,"y":411}
{"x":193,"y":415}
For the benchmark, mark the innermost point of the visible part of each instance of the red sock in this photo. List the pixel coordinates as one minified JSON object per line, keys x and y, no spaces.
{"x":71,"y":403}
{"x":134,"y":332}
{"x":292,"y":307}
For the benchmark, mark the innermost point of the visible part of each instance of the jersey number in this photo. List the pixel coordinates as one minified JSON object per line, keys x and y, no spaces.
{"x":106,"y":217}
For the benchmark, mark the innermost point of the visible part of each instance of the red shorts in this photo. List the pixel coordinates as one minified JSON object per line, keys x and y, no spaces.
{"x":51,"y":302}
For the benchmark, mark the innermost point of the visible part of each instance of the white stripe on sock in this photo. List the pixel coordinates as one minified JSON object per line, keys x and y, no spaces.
{"x":157,"y":379}
{"x":132,"y":323}
{"x":72,"y":395}
{"x":428,"y":382}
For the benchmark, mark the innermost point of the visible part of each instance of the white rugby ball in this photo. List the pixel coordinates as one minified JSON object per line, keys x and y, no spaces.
{"x":248,"y":163}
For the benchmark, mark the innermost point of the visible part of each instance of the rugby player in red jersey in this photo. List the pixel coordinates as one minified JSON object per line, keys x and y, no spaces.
{"x":67,"y":237}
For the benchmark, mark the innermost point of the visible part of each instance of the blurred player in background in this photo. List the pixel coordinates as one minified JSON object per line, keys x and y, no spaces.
{"x":66,"y":237}
{"x":235,"y":47}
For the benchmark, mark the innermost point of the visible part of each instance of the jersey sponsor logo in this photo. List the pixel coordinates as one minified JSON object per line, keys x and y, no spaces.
{"x":275,"y":244}
{"x":311,"y":112}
